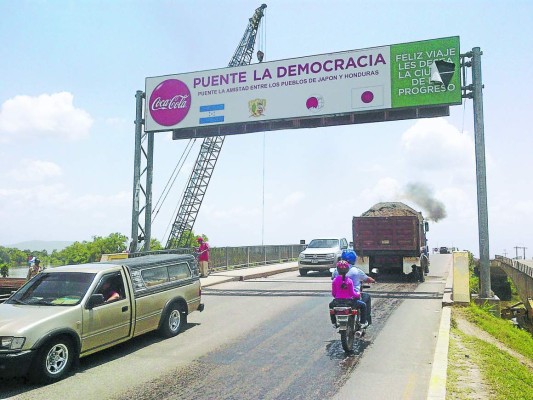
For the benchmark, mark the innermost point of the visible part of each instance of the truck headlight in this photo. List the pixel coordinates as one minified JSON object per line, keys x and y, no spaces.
{"x":330,"y":256}
{"x":11,"y":343}
{"x":301,"y":256}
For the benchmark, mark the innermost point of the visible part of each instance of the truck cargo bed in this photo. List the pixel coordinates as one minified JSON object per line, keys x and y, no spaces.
{"x":384,"y":234}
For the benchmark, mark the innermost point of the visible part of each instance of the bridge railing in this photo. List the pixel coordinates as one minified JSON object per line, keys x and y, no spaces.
{"x":223,"y":258}
{"x":516,"y":264}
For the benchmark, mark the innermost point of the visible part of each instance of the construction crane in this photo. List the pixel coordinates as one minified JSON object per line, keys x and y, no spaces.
{"x":210,"y":148}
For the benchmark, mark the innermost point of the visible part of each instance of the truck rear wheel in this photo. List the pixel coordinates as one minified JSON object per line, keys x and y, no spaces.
{"x":53,"y":360}
{"x":173,"y":321}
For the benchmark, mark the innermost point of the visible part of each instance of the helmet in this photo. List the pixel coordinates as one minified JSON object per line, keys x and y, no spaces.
{"x":343,"y":267}
{"x":36,"y":261}
{"x":199,"y":239}
{"x":350,"y":256}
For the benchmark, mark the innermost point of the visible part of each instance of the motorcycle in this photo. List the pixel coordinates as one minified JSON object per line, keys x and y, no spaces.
{"x":349,"y":325}
{"x":348,"y":320}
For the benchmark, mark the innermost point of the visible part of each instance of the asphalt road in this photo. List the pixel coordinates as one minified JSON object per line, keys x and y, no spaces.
{"x":268,"y":338}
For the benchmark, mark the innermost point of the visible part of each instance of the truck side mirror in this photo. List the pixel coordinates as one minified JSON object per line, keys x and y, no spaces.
{"x":95,"y":300}
{"x":426,"y":226}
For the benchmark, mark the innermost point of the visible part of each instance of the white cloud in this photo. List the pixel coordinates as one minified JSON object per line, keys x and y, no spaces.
{"x":435,"y":144}
{"x":44,"y":116}
{"x":35,"y":171}
{"x":53,"y":212}
{"x":289,"y":202}
{"x":386,"y":189}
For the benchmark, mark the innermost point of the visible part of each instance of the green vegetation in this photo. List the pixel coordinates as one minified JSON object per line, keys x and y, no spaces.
{"x":4,"y":270}
{"x":518,"y":340}
{"x":79,"y":252}
{"x":478,"y":367}
{"x":505,"y":375}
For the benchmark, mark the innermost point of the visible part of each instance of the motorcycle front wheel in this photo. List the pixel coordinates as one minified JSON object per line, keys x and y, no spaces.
{"x":347,"y":336}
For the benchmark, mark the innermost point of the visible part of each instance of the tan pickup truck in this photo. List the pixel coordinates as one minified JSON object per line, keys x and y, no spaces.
{"x":72,"y":311}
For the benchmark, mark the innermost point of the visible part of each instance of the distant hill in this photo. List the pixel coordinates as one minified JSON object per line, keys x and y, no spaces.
{"x":38,"y":245}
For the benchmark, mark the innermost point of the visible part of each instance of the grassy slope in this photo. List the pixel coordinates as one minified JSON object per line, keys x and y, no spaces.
{"x":506,"y":377}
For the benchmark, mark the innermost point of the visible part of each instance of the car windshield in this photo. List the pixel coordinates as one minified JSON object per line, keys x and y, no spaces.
{"x":54,"y":289}
{"x":323,"y":243}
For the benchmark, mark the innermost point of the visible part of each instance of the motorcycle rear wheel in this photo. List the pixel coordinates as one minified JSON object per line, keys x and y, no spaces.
{"x":347,"y":336}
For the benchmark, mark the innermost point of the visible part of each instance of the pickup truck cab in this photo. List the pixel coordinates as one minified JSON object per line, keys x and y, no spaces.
{"x":321,"y":255}
{"x":72,"y":311}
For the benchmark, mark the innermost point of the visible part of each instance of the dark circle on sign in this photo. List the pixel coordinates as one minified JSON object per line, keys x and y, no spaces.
{"x":367,"y":97}
{"x":312,"y":102}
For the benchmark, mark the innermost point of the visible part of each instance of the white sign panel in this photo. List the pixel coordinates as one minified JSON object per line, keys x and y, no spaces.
{"x":399,"y":76}
{"x":351,"y":81}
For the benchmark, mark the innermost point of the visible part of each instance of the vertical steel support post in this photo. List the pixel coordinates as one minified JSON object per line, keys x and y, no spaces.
{"x":149,"y":180}
{"x":481,"y":176}
{"x":136,"y":172}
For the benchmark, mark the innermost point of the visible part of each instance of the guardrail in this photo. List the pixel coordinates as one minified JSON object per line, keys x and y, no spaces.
{"x":516,"y":264}
{"x":224,"y":258}
{"x":4,"y":297}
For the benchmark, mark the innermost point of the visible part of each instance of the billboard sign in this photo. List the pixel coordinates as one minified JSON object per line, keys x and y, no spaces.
{"x":357,"y":81}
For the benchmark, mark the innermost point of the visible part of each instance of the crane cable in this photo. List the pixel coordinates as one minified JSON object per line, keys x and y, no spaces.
{"x":262,"y":48}
{"x":173,"y":177}
{"x":176,"y":209}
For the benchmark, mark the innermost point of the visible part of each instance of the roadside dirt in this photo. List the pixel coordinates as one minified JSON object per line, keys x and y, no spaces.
{"x":469,"y":383}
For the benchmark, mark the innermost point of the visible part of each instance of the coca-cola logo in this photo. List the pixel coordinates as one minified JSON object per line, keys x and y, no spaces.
{"x":170,"y":102}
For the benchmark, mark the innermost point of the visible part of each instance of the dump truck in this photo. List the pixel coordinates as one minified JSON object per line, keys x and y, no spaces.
{"x":392,"y":238}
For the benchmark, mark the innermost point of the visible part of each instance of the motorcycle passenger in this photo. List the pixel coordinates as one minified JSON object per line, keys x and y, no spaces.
{"x":344,"y":294}
{"x":358,"y":277}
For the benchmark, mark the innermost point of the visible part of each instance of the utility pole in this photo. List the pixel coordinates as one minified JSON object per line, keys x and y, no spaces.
{"x":476,"y":95}
{"x":520,"y":247}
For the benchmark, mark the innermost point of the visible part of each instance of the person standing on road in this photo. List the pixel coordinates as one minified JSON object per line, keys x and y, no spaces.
{"x":35,"y":268}
{"x":203,"y":257}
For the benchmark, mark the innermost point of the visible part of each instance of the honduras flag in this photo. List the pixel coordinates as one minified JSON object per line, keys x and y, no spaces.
{"x":212,"y":114}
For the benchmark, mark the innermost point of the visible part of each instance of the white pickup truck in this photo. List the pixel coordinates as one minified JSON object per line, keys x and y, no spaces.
{"x":321,"y":255}
{"x":72,"y":311}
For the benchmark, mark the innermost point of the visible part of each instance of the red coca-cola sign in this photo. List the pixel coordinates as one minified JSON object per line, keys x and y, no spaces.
{"x":170,"y":102}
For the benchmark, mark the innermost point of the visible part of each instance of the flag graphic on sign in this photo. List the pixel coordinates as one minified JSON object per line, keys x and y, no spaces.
{"x":211,"y":114}
{"x":367,"y":97}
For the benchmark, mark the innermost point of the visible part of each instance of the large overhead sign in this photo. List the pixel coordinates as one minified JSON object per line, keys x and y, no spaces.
{"x":375,"y":84}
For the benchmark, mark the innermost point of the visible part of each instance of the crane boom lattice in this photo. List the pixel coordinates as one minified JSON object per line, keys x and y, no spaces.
{"x":210,"y":149}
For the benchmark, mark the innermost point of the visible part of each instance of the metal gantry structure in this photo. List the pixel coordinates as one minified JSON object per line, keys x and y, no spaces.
{"x":210,"y":148}
{"x":203,"y":168}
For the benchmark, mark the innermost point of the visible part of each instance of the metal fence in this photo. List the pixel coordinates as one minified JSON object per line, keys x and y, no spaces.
{"x":224,"y":258}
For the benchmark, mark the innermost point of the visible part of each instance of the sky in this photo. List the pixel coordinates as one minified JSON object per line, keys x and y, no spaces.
{"x":71,"y":69}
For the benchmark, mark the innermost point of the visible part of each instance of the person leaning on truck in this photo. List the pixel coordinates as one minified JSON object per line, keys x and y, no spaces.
{"x":203,"y":257}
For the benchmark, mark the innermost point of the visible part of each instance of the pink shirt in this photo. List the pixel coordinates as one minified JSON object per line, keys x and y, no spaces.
{"x":204,"y":252}
{"x":339,"y":293}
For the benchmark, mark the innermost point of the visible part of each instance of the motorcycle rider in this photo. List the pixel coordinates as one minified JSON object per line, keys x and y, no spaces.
{"x":342,"y":289}
{"x":358,"y":277}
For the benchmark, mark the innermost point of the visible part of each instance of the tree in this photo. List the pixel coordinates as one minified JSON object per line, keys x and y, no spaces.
{"x":114,"y":243}
{"x":155,"y":245}
{"x":85,"y":252}
{"x":4,"y":270}
{"x":188,"y":239}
